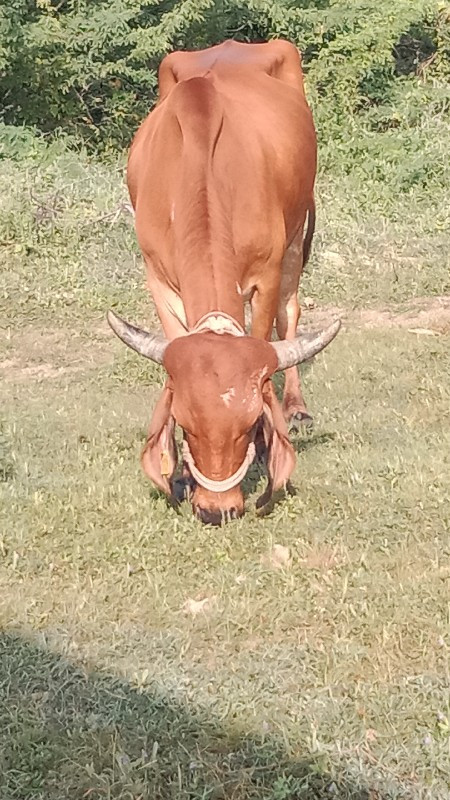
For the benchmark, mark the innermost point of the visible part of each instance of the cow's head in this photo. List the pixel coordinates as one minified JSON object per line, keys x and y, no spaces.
{"x":219,"y":391}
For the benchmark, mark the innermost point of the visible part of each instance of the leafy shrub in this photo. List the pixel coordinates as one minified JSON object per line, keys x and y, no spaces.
{"x":90,"y":66}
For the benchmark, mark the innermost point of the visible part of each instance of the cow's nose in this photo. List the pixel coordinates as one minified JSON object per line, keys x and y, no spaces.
{"x":213,"y":516}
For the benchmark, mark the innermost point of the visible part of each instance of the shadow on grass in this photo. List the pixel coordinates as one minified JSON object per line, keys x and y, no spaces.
{"x":302,"y":442}
{"x":65,"y":733}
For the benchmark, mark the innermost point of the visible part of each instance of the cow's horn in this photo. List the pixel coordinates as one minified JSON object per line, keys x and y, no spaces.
{"x":298,"y":350}
{"x":146,"y":344}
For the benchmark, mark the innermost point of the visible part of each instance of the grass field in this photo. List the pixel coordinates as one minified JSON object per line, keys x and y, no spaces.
{"x":303,"y":655}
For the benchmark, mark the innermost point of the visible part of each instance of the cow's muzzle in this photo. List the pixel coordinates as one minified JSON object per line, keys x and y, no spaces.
{"x":211,"y":516}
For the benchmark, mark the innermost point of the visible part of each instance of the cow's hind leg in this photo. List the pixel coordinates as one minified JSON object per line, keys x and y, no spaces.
{"x":288,"y":315}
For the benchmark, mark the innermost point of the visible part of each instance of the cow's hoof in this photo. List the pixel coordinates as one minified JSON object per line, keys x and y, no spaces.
{"x":301,"y":419}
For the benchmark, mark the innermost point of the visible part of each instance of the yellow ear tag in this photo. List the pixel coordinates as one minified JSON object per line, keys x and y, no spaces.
{"x":165,"y":463}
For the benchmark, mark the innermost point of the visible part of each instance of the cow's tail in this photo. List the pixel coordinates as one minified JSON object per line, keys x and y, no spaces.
{"x":307,"y":241}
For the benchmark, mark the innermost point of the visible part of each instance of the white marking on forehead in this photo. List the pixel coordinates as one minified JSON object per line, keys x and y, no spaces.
{"x":228,"y":395}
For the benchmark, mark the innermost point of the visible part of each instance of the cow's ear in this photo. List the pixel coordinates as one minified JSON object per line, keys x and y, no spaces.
{"x":280,"y":453}
{"x":159,"y":457}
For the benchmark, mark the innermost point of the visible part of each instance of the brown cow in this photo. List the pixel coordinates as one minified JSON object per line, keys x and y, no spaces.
{"x":221,"y":177}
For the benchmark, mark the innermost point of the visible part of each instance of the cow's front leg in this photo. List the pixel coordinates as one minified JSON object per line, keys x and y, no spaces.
{"x":264,"y":308}
{"x":294,"y":407}
{"x":288,"y":315}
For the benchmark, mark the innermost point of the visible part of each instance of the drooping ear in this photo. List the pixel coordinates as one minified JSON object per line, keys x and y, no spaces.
{"x":159,"y":456}
{"x":280,"y":453}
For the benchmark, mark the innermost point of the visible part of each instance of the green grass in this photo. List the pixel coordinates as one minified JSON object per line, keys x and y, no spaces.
{"x":325,"y":677}
{"x":347,"y":642}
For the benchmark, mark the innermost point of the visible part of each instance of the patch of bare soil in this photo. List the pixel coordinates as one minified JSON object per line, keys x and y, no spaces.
{"x":422,"y":315}
{"x":36,"y":353}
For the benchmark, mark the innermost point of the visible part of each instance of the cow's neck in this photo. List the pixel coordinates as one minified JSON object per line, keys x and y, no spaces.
{"x":209,"y":289}
{"x":219,"y":317}
{"x":207,"y":267}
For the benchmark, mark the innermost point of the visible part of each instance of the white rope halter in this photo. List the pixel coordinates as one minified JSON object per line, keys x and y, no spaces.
{"x":227,"y":483}
{"x":218,"y":322}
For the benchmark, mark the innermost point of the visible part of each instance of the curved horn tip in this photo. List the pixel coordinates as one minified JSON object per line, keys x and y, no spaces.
{"x":113,"y":319}
{"x":335,"y":326}
{"x":149,"y":345}
{"x":328,"y":334}
{"x":293,"y":352}
{"x":111,"y":316}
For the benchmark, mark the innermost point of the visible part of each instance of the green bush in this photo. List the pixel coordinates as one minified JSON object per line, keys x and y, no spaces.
{"x":89,"y":67}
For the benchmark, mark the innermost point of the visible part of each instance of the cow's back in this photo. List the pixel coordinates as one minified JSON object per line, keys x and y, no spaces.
{"x":264,"y":160}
